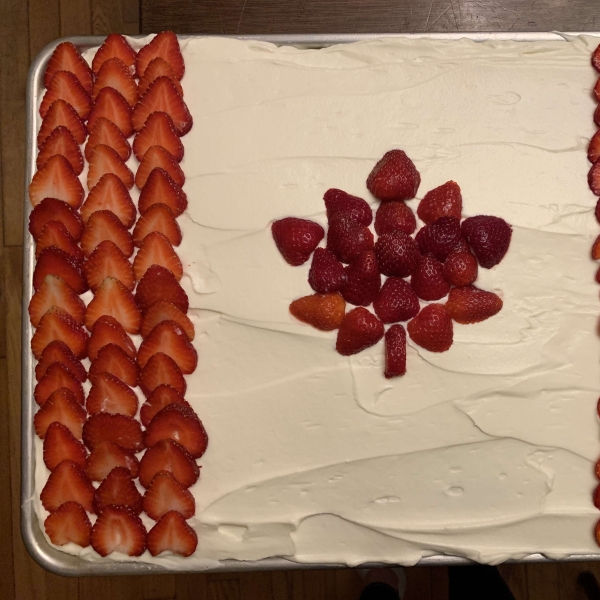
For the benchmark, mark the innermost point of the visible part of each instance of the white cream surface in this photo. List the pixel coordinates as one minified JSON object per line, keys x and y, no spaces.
{"x":485,"y":451}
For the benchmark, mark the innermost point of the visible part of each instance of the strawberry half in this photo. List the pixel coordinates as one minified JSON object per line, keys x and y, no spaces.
{"x":169,"y":338}
{"x":395,"y":351}
{"x":158,"y":131}
{"x":110,"y":194}
{"x":432,"y":328}
{"x":326,"y":273}
{"x":105,"y":225}
{"x":472,"y":305}
{"x":166,"y":494}
{"x":57,"y":324}
{"x":66,"y":57}
{"x":105,"y":457}
{"x":114,"y":46}
{"x":156,"y":157}
{"x":166,"y":45}
{"x":443,"y":201}
{"x":110,"y":395}
{"x":108,"y":330}
{"x":111,"y":105}
{"x":490,"y":237}
{"x":51,"y":209}
{"x":158,"y":67}
{"x":168,"y":455}
{"x":161,"y":370}
{"x":118,"y":489}
{"x":59,"y":445}
{"x":58,"y":351}
{"x":165,"y":311}
{"x":157,"y":250}
{"x":363,"y":280}
{"x":114,"y":299}
{"x":460,"y":268}
{"x":396,"y":301}
{"x":394,"y":215}
{"x":56,"y":234}
{"x":107,"y":133}
{"x":53,"y":261}
{"x":69,"y":524}
{"x":397,"y":254}
{"x":296,"y":239}
{"x":594,"y":179}
{"x":57,"y":381}
{"x":113,"y":359}
{"x":157,"y":284}
{"x":158,"y":217}
{"x":115,"y":74}
{"x":172,"y":534}
{"x":56,"y":179}
{"x":118,"y":529}
{"x":108,"y":261}
{"x":161,"y":189}
{"x":162,"y":396}
{"x":359,"y":330}
{"x":61,"y":141}
{"x":428,"y":279}
{"x":54,"y":291}
{"x":59,"y":114}
{"x":347,"y":239}
{"x":119,"y":429}
{"x":65,"y":86}
{"x":106,"y":160}
{"x":61,"y":408}
{"x":394,"y":177}
{"x":357,"y":209}
{"x":67,"y":483}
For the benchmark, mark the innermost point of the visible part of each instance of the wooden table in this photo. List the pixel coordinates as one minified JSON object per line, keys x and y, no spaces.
{"x":25,"y":27}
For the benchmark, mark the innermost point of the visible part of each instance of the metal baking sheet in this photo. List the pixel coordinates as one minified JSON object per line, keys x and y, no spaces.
{"x":35,"y":542}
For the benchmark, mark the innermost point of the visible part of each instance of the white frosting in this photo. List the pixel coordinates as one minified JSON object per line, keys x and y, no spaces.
{"x":485,"y":451}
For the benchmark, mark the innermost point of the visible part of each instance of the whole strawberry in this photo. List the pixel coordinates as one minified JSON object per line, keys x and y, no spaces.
{"x":394,"y":177}
{"x":397,"y":254}
{"x":363,"y":280}
{"x":472,"y":305}
{"x":395,"y":351}
{"x":326,"y":272}
{"x":360,"y":329}
{"x":347,"y":239}
{"x":296,"y":238}
{"x":428,"y":280}
{"x":489,"y":237}
{"x":394,"y":216}
{"x":338,"y":201}
{"x":322,"y":311}
{"x":440,"y":238}
{"x":396,"y":301}
{"x":594,"y":178}
{"x":432,"y":329}
{"x":460,"y":268}
{"x":443,"y":201}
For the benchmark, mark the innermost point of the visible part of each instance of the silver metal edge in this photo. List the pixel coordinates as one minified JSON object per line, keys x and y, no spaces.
{"x":38,"y":547}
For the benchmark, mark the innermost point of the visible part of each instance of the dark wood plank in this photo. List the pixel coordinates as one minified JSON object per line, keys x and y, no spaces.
{"x":255,"y":586}
{"x":439,"y":583}
{"x":75,"y":17}
{"x":191,"y":587}
{"x":516,"y":579}
{"x":542,"y":581}
{"x":110,"y":588}
{"x":158,"y":587}
{"x":225,"y":589}
{"x":115,"y":16}
{"x":418,"y":583}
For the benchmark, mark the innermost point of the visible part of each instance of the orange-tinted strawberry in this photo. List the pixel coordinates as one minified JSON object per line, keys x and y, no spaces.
{"x":119,"y":429}
{"x":53,"y":261}
{"x":58,"y":351}
{"x":161,"y":370}
{"x":110,"y":395}
{"x":56,"y":234}
{"x":158,"y":217}
{"x":395,"y":351}
{"x":110,"y":194}
{"x":397,"y":254}
{"x":394,"y":215}
{"x":594,"y":179}
{"x":157,"y":284}
{"x":65,"y":86}
{"x":161,"y":189}
{"x":62,"y":408}
{"x":168,"y":455}
{"x":54,"y":291}
{"x":489,"y":238}
{"x":432,"y":328}
{"x":396,"y":301}
{"x":67,"y":483}
{"x":158,"y":67}
{"x":166,"y":45}
{"x":106,"y":160}
{"x":113,"y":359}
{"x":57,"y":380}
{"x":61,"y":141}
{"x":460,"y":268}
{"x":162,"y":396}
{"x":59,"y":114}
{"x":165,"y":311}
{"x":108,"y":261}
{"x":114,"y":299}
{"x":363,"y":280}
{"x":60,"y":444}
{"x":114,"y":73}
{"x":594,"y":147}
{"x":338,"y":201}
{"x":107,"y":133}
{"x":56,"y":179}
{"x":169,"y":338}
{"x":165,"y":494}
{"x":172,"y":534}
{"x":440,"y":238}
{"x":326,"y":273}
{"x":107,"y":330}
{"x":322,"y":311}
{"x":428,"y":279}
{"x":156,"y":157}
{"x":472,"y":305}
{"x":51,"y":209}
{"x":118,"y":529}
{"x":111,"y":105}
{"x":114,"y":46}
{"x":360,"y":329}
{"x":443,"y":201}
{"x":157,"y":250}
{"x":57,"y":324}
{"x":66,"y":57}
{"x":296,"y":239}
{"x":348,"y":239}
{"x":394,"y":177}
{"x":69,"y":523}
{"x":596,"y":59}
{"x":118,"y":489}
{"x":158,"y":131}
{"x":105,"y":225}
{"x":105,"y":457}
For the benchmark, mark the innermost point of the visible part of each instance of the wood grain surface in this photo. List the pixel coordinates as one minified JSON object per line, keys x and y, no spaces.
{"x":27,"y":26}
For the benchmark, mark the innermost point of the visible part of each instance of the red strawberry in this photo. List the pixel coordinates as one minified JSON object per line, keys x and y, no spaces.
{"x":296,"y":239}
{"x":166,"y":45}
{"x":56,"y":234}
{"x":53,"y":291}
{"x":326,"y":273}
{"x":110,"y":395}
{"x":162,"y":396}
{"x":157,"y":284}
{"x":107,"y":330}
{"x":394,"y":215}
{"x":118,"y":529}
{"x":432,"y":328}
{"x":162,"y":96}
{"x":104,"y":225}
{"x":165,"y":494}
{"x":119,"y":429}
{"x":440,"y":238}
{"x":161,"y":370}
{"x":359,"y":330}
{"x":157,"y":250}
{"x":322,"y":311}
{"x":114,"y":299}
{"x":106,"y":160}
{"x":61,"y":141}
{"x":347,"y":239}
{"x":156,"y":157}
{"x":110,"y":194}
{"x":169,"y":338}
{"x":165,"y":311}
{"x":114,"y":46}
{"x":396,"y":301}
{"x":158,"y":131}
{"x":118,"y":489}
{"x":168,"y":455}
{"x":158,"y":67}
{"x":57,"y":381}
{"x":62,"y":408}
{"x":594,"y":147}
{"x":597,"y":116}
{"x":428,"y":280}
{"x":443,"y":201}
{"x":59,"y":445}
{"x":172,"y":534}
{"x":460,"y":269}
{"x":161,"y":189}
{"x":53,"y":261}
{"x":65,"y":86}
{"x":158,"y":217}
{"x":594,"y":179}
{"x":50,"y":209}
{"x":67,"y":483}
{"x":596,"y":501}
{"x":489,"y":237}
{"x":395,"y":351}
{"x":56,"y":179}
{"x":394,"y":177}
{"x":107,"y":133}
{"x":596,"y":249}
{"x":597,"y":278}
{"x":57,"y":324}
{"x":337,"y":201}
{"x":58,"y":351}
{"x":113,"y":359}
{"x":111,"y":105}
{"x":66,"y":57}
{"x":596,"y":58}
{"x":114,"y":73}
{"x":472,"y":305}
{"x":363,"y":280}
{"x":105,"y":457}
{"x":397,"y":254}
{"x":69,"y":524}
{"x":61,"y":113}
{"x":108,"y":261}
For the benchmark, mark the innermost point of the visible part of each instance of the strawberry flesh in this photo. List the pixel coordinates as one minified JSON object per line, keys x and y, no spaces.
{"x":171,"y":533}
{"x":62,"y":408}
{"x":114,"y":46}
{"x":60,"y":444}
{"x":110,"y":395}
{"x":161,"y":370}
{"x":119,"y":429}
{"x":105,"y":457}
{"x":107,"y":330}
{"x":107,"y":133}
{"x":118,"y":489}
{"x":157,"y":284}
{"x":118,"y":529}
{"x":67,"y":483}
{"x":69,"y":523}
{"x":161,"y":189}
{"x":168,"y":455}
{"x":158,"y":217}
{"x":66,"y":57}
{"x":165,"y":494}
{"x":162,"y":396}
{"x":58,"y":351}
{"x":113,"y":359}
{"x":51,"y":209}
{"x":169,"y":338}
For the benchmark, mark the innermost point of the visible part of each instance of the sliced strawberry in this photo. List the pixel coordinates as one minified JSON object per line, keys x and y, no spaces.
{"x":105,"y":457}
{"x":114,"y":299}
{"x":158,"y":131}
{"x":395,"y":351}
{"x":66,"y":57}
{"x":119,"y":429}
{"x":51,"y":209}
{"x":67,"y":483}
{"x":106,"y":160}
{"x":113,"y":359}
{"x":69,"y":524}
{"x":61,"y":141}
{"x":168,"y":455}
{"x":161,"y":370}
{"x":322,"y":311}
{"x":65,"y":86}
{"x":58,"y":351}
{"x":158,"y":217}
{"x":118,"y":529}
{"x":394,"y":177}
{"x":54,"y":291}
{"x":59,"y":445}
{"x":114,"y":73}
{"x":432,"y":328}
{"x":111,"y":105}
{"x":62,"y":408}
{"x":59,"y":114}
{"x":107,"y":330}
{"x":105,"y":225}
{"x":360,"y":329}
{"x":158,"y":67}
{"x":60,"y":381}
{"x":108,"y":261}
{"x":53,"y":261}
{"x":161,"y":189}
{"x":156,"y":157}
{"x":165,"y":494}
{"x":118,"y":489}
{"x":110,"y":194}
{"x":157,"y":284}
{"x":165,"y":311}
{"x":471,"y":305}
{"x":157,"y":250}
{"x":296,"y":239}
{"x":162,"y":396}
{"x":594,"y":147}
{"x":107,"y":133}
{"x":162,"y":96}
{"x":57,"y":324}
{"x":172,"y":534}
{"x":114,"y":46}
{"x":166,"y":45}
{"x":594,"y":179}
{"x":56,"y":179}
{"x":110,"y":395}
{"x":56,"y":234}
{"x":169,"y":338}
